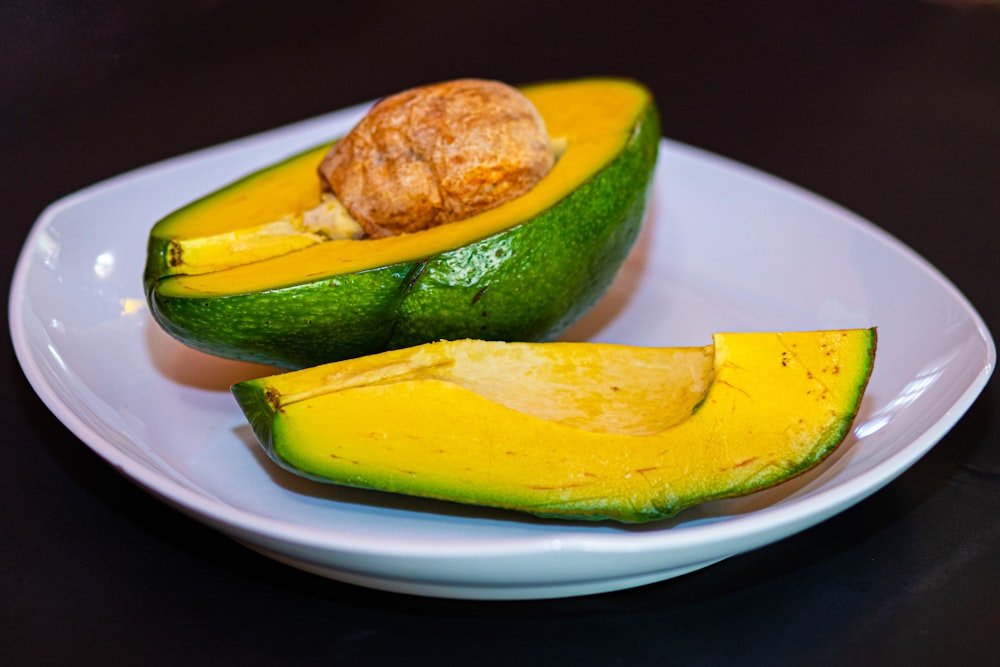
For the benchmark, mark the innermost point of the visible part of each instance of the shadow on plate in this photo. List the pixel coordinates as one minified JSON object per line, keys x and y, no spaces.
{"x":189,"y":367}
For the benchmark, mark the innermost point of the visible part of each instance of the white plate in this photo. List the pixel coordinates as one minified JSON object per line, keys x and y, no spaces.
{"x":725,"y":248}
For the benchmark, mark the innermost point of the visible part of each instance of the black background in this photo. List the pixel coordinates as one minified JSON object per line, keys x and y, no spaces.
{"x":891,"y":109}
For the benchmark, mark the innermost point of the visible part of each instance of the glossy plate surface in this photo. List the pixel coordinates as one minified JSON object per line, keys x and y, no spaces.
{"x":725,"y":248}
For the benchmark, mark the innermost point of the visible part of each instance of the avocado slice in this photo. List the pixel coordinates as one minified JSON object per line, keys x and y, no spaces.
{"x":569,"y":430}
{"x":235,"y":274}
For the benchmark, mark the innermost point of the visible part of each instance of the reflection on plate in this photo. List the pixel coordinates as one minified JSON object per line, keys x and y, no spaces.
{"x":725,"y":248}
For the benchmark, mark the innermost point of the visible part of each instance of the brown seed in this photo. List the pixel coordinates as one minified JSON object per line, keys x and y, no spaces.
{"x":437,"y":154}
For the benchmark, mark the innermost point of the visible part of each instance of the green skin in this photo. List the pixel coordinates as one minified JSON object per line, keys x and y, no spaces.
{"x":526,"y":283}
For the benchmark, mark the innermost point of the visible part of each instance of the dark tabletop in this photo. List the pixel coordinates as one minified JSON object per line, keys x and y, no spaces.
{"x":891,"y":109}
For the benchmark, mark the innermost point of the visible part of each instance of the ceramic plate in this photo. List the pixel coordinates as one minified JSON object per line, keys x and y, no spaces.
{"x":725,"y":248}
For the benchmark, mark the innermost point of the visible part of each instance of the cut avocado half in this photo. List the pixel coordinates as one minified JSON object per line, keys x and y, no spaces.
{"x":235,"y":274}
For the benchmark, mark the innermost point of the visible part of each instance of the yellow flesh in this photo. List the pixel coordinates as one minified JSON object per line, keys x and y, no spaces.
{"x":605,"y":388}
{"x":252,"y":228}
{"x":596,"y":118}
{"x":601,"y":425}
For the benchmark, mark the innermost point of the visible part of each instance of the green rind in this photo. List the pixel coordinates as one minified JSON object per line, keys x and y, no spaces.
{"x":528,"y":282}
{"x":252,"y":399}
{"x":339,"y":317}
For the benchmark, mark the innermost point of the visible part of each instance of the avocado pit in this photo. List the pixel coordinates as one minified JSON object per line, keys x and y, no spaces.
{"x":437,"y":154}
